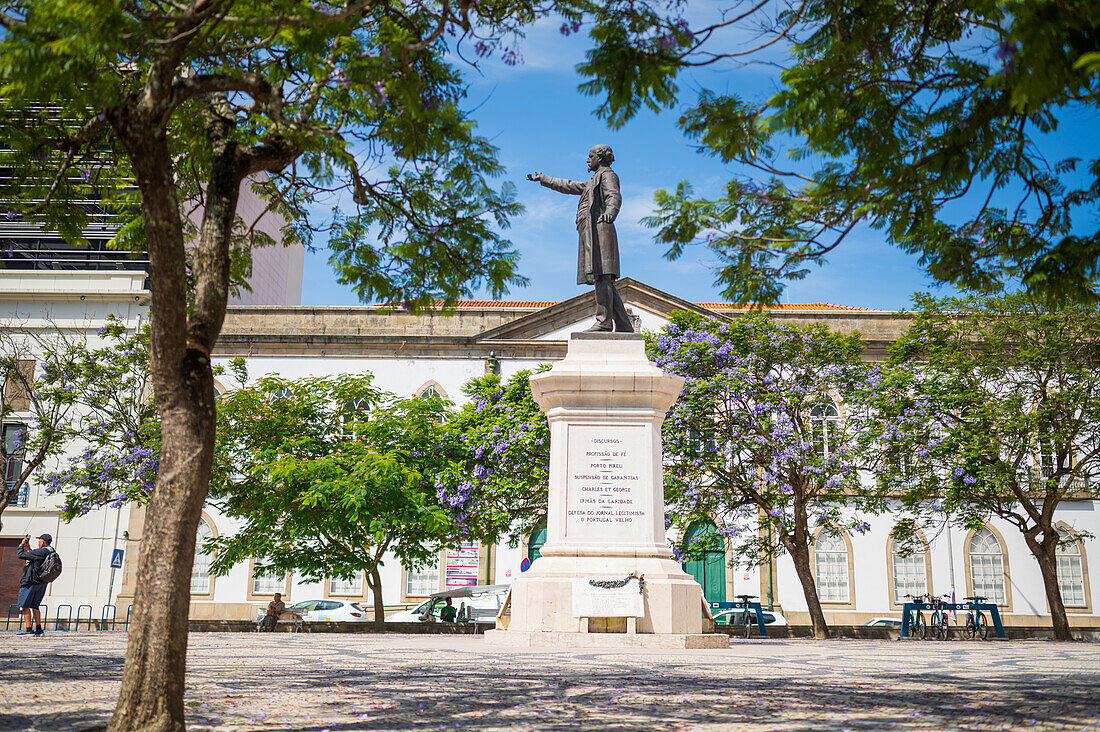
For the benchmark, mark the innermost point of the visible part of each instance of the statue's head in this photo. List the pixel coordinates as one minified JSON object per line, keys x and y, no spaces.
{"x":600,"y":155}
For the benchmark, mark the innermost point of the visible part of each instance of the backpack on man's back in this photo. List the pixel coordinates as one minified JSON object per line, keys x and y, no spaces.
{"x":50,"y":569}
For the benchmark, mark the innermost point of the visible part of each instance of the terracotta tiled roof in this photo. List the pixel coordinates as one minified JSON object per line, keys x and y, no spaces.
{"x":503,"y":304}
{"x":803,"y":307}
{"x":518,"y":304}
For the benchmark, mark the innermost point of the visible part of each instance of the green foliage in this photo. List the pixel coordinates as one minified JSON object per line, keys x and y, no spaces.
{"x":999,"y":411}
{"x":328,"y":475}
{"x":320,"y":102}
{"x":755,"y":439}
{"x":932,"y":122}
{"x":498,"y":486}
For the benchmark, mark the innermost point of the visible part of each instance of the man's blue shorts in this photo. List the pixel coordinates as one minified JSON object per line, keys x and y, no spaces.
{"x":31,"y":597}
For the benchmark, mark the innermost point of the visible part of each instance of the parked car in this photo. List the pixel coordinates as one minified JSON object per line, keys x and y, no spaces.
{"x":737,"y":617}
{"x":327,"y":611}
{"x":884,"y":622}
{"x":475,"y":604}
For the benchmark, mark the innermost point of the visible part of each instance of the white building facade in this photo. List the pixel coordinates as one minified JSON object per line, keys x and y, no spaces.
{"x":859,"y":575}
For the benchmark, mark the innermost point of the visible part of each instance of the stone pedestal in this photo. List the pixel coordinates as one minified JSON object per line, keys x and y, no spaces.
{"x":605,"y":403}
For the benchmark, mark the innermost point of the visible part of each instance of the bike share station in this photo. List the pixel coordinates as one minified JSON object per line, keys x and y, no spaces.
{"x":747,"y":607}
{"x":945,"y":607}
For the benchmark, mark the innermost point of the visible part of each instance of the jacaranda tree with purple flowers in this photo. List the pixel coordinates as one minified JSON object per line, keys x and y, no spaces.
{"x":117,"y":422}
{"x":329,"y":476}
{"x":758,"y":441}
{"x":498,"y":486}
{"x":996,"y":415}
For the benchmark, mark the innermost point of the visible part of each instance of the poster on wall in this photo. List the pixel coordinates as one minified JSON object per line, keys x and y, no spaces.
{"x":461,"y":566}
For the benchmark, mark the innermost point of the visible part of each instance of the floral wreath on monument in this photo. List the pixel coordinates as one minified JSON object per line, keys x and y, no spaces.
{"x":616,"y":584}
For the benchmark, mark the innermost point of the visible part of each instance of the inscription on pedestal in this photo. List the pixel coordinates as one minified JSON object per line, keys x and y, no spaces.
{"x":605,"y":495}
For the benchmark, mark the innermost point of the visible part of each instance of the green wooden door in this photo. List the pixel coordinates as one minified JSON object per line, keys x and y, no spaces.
{"x":538,"y":538}
{"x":710,"y":569}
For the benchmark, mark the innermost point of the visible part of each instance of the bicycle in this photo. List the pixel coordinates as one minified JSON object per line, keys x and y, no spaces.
{"x":939,"y":624}
{"x":918,"y":627}
{"x":976,"y":624}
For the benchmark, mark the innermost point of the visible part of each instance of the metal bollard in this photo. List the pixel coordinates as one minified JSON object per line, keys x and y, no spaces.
{"x":78,"y":609}
{"x":68,"y":617}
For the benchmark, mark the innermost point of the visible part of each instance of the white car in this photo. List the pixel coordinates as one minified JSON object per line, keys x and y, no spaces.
{"x":476,"y":604}
{"x":737,"y":617}
{"x":884,"y":622}
{"x":328,"y":611}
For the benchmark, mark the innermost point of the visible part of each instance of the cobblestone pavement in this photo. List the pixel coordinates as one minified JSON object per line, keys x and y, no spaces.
{"x":393,"y":682}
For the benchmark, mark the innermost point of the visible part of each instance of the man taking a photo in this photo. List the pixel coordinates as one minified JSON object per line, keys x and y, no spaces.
{"x":31,"y":589}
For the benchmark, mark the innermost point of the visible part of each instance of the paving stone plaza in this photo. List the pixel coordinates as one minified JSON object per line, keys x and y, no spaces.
{"x":430,"y":682}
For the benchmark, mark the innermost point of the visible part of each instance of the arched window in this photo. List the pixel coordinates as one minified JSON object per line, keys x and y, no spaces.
{"x":987,"y":574}
{"x":823,"y":427}
{"x":1071,"y":570}
{"x":430,"y":392}
{"x":353,"y":413}
{"x":909,"y":573}
{"x":200,"y":570}
{"x":831,"y":563}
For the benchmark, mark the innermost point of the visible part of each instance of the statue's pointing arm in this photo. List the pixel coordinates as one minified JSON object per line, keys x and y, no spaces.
{"x":562,"y":185}
{"x":612,"y":199}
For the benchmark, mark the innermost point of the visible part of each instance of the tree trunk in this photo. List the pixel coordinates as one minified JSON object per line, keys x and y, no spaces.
{"x":374,"y":581}
{"x":800,"y":553}
{"x":1045,"y":554}
{"x":151,"y":697}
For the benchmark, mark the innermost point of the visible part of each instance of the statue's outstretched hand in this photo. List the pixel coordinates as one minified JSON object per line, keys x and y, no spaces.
{"x":536,"y":176}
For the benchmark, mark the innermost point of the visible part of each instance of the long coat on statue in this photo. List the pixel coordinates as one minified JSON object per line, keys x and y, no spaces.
{"x":597,"y":244}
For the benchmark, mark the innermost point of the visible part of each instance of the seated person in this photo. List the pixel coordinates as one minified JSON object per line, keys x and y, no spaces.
{"x":275,"y":608}
{"x":447,"y":614}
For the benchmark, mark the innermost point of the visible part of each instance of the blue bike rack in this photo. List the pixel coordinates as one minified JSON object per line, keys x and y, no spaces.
{"x":68,"y":617}
{"x":103,"y":617}
{"x":16,"y":614}
{"x":129,"y":609}
{"x":742,"y":606}
{"x":78,"y":609}
{"x":910,"y":607}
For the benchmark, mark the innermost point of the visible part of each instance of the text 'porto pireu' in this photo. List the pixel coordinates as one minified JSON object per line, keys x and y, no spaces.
{"x":605,"y":495}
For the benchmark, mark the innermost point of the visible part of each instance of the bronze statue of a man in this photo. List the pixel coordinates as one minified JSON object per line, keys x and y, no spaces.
{"x":598,"y":245}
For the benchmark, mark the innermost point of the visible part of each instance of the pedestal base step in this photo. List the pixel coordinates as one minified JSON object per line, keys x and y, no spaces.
{"x":558,"y":639}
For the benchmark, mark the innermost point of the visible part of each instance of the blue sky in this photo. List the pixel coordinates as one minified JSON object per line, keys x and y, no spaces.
{"x":534,"y":113}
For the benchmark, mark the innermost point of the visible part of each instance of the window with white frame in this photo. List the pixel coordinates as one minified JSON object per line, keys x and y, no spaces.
{"x":1071,"y":570}
{"x":823,"y":427}
{"x":200,"y":570}
{"x":422,"y":582}
{"x":987,"y":574}
{"x":267,"y":584}
{"x":352,"y":415}
{"x":1048,"y":453}
{"x":909,"y":574}
{"x":353,"y":586}
{"x":831,"y":560}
